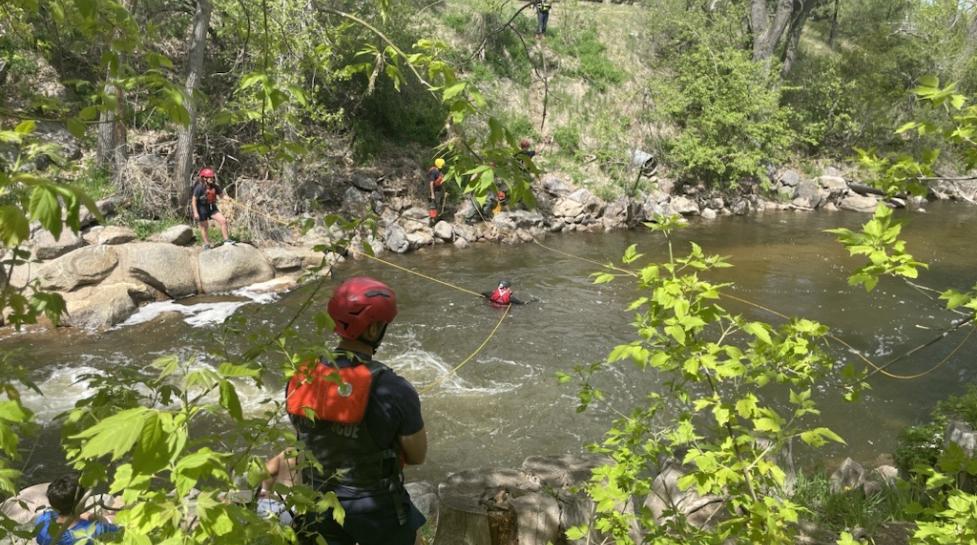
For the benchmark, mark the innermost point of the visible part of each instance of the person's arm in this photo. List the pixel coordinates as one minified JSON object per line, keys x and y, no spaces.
{"x":414,"y":447}
{"x":272,"y":466}
{"x":515,"y":301}
{"x":487,"y":294}
{"x":193,"y":205}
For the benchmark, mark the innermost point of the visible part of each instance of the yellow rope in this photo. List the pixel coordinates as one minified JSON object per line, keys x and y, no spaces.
{"x":422,"y":275}
{"x":880,"y":369}
{"x":470,"y":356}
{"x":426,"y":277}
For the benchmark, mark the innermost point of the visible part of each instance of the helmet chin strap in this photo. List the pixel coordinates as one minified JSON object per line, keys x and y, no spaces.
{"x":376,"y":342}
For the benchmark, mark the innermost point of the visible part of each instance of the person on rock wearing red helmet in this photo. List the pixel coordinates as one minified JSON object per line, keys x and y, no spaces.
{"x":362,"y":423}
{"x":204,"y":205}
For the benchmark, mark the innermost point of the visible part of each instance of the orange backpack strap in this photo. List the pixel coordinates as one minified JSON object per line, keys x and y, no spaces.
{"x":321,"y":391}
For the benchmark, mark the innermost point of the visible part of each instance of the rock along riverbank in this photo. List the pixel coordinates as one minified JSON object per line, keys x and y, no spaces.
{"x":105,"y":273}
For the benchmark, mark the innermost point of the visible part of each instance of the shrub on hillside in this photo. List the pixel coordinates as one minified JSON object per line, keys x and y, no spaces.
{"x":729,"y":114}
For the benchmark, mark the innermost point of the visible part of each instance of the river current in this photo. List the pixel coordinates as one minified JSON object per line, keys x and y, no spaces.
{"x":505,"y":404}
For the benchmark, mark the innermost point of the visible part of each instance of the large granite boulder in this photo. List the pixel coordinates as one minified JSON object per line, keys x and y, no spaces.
{"x":232,"y":266}
{"x":683,"y":206}
{"x":45,"y":246}
{"x":26,"y":505}
{"x":443,"y":230}
{"x":567,"y":208}
{"x":961,"y":434}
{"x":82,"y":267}
{"x":110,"y":235}
{"x":556,"y":187}
{"x":395,"y":239}
{"x":668,"y":500}
{"x":286,"y":258}
{"x":181,"y":235}
{"x":850,"y":476}
{"x":356,"y":203}
{"x":809,"y":195}
{"x":790,"y":178}
{"x":616,"y":214}
{"x":835,"y":185}
{"x":168,"y":268}
{"x":364,"y":182}
{"x":421,"y":237}
{"x":578,"y":205}
{"x":859,"y":203}
{"x":524,"y":219}
{"x":102,"y":307}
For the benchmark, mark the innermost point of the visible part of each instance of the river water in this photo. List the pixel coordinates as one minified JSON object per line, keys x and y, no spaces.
{"x":505,"y":404}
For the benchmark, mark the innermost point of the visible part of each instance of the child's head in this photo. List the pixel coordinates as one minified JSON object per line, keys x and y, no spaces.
{"x":65,"y":493}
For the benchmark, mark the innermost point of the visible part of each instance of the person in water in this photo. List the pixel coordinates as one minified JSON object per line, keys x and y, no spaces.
{"x":502,"y":295}
{"x":65,"y":523}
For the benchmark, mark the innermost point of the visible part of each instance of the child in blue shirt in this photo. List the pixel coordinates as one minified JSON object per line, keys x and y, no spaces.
{"x":63,"y":525}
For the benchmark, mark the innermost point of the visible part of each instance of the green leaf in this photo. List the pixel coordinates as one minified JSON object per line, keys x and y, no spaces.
{"x":76,"y":127}
{"x":229,"y":400}
{"x":677,"y":333}
{"x":453,"y":91}
{"x":116,"y":434}
{"x":46,"y":209}
{"x":25,"y":127}
{"x":14,"y":226}
{"x":758,"y":330}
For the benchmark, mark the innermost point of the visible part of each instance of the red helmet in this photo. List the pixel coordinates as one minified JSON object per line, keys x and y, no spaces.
{"x":524,"y":143}
{"x":360,"y":301}
{"x":206,"y":172}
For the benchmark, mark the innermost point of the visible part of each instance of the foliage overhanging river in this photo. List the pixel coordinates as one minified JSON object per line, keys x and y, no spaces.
{"x":505,"y":404}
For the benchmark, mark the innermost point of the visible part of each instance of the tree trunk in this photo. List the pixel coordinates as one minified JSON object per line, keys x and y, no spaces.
{"x":180,"y":188}
{"x":965,"y":58}
{"x":767,"y":33}
{"x":111,"y":152}
{"x":794,"y":34}
{"x":834,"y":26}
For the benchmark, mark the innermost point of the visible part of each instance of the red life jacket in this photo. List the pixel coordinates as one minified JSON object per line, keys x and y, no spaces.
{"x":331,"y":394}
{"x":500,"y":297}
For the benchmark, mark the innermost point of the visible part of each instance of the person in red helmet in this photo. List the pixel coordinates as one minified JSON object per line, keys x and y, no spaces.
{"x":204,"y":205}
{"x":367,"y":424}
{"x":502,"y":296}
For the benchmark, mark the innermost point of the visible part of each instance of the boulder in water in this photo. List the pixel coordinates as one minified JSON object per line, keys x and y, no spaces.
{"x":859,"y":203}
{"x":232,"y":266}
{"x":102,"y":307}
{"x":168,"y":268}
{"x":82,"y":267}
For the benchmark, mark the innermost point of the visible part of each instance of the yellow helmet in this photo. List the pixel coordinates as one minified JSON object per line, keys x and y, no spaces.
{"x":439,"y":162}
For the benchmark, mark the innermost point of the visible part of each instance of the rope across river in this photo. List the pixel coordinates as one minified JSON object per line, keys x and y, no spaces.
{"x":876,"y":368}
{"x":429,"y":278}
{"x":881,"y":369}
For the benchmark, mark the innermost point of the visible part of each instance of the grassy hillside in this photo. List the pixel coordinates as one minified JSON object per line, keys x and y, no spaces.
{"x":581,"y":92}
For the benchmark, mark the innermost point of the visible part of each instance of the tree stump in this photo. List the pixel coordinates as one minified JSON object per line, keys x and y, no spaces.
{"x":495,"y":507}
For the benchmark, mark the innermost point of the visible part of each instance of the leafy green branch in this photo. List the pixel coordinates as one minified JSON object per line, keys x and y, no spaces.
{"x":715,"y":417}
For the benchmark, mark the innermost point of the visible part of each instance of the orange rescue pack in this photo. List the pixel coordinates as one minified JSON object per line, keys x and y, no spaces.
{"x":334,"y":395}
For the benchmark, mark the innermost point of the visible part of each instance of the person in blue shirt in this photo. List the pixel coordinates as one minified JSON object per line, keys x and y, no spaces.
{"x":63,"y":524}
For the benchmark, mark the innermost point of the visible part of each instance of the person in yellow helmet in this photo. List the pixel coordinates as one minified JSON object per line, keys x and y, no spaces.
{"x":435,"y":182}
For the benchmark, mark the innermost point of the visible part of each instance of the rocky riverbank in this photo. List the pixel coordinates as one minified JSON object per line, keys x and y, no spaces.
{"x":105,"y":273}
